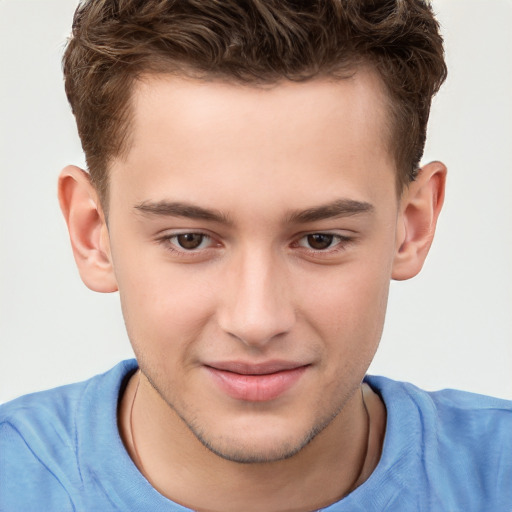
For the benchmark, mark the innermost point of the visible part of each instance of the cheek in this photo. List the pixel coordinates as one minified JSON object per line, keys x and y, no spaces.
{"x":163,"y":305}
{"x":347,"y":306}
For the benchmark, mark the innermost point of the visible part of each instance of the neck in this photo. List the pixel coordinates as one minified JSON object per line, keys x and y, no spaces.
{"x":333,"y":464}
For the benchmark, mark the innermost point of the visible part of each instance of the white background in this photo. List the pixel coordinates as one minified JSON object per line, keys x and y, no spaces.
{"x":449,"y":327}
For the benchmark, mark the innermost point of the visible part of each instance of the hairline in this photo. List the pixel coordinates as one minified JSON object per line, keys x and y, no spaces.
{"x":184,"y":71}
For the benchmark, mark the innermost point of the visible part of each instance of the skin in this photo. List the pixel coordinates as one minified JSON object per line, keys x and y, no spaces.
{"x":256,"y":173}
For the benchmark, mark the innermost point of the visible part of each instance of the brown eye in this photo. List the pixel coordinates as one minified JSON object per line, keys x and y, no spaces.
{"x":319,"y":241}
{"x":190,"y":240}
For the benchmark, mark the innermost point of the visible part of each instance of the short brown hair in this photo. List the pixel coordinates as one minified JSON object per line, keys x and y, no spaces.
{"x":249,"y":41}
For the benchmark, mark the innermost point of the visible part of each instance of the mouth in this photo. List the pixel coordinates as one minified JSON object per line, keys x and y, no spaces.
{"x":256,"y":382}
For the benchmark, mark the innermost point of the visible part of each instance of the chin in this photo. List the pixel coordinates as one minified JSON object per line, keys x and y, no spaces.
{"x":244,"y":452}
{"x":253,"y":445}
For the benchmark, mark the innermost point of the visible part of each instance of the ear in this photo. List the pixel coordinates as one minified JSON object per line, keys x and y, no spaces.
{"x":87,"y":228}
{"x":420,"y":206}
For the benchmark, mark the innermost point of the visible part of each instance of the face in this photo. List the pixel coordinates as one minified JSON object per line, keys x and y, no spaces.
{"x":253,"y":233}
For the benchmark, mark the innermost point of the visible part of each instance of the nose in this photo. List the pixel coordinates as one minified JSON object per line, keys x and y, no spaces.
{"x":257,"y":308}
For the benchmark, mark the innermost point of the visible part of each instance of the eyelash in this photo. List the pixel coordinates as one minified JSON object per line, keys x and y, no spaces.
{"x":340,"y":244}
{"x":175,"y":249}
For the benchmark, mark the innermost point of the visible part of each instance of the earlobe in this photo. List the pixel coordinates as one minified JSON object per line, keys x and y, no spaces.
{"x":419,"y":210}
{"x":87,"y":229}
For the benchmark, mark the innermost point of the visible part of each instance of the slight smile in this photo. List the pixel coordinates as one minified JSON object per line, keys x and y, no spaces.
{"x":256,"y":382}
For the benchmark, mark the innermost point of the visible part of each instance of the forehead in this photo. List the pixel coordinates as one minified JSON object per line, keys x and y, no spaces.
{"x":178,"y":102}
{"x":187,"y":132}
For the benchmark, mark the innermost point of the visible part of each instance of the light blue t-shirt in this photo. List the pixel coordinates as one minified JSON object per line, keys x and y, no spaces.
{"x":447,"y":451}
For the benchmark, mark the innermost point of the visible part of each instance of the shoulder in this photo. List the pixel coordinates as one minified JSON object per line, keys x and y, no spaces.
{"x":44,"y":423}
{"x":30,"y":413}
{"x":476,"y":430}
{"x":458,"y":444}
{"x":455,"y":418}
{"x":53,"y":413}
{"x":469,"y":414}
{"x":40,"y":437}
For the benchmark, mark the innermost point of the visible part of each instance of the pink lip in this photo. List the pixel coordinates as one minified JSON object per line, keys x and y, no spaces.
{"x":255,"y":382}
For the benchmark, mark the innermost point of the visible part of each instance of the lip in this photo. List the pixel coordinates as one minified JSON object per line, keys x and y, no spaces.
{"x":256,"y":382}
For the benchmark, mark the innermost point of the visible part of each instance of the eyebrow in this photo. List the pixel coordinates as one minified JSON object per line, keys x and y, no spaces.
{"x":180,"y":209}
{"x":336,"y":209}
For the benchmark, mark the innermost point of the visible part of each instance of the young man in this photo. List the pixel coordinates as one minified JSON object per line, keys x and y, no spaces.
{"x":253,"y":186}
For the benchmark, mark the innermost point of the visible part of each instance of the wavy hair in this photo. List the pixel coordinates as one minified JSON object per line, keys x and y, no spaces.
{"x":114,"y":42}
